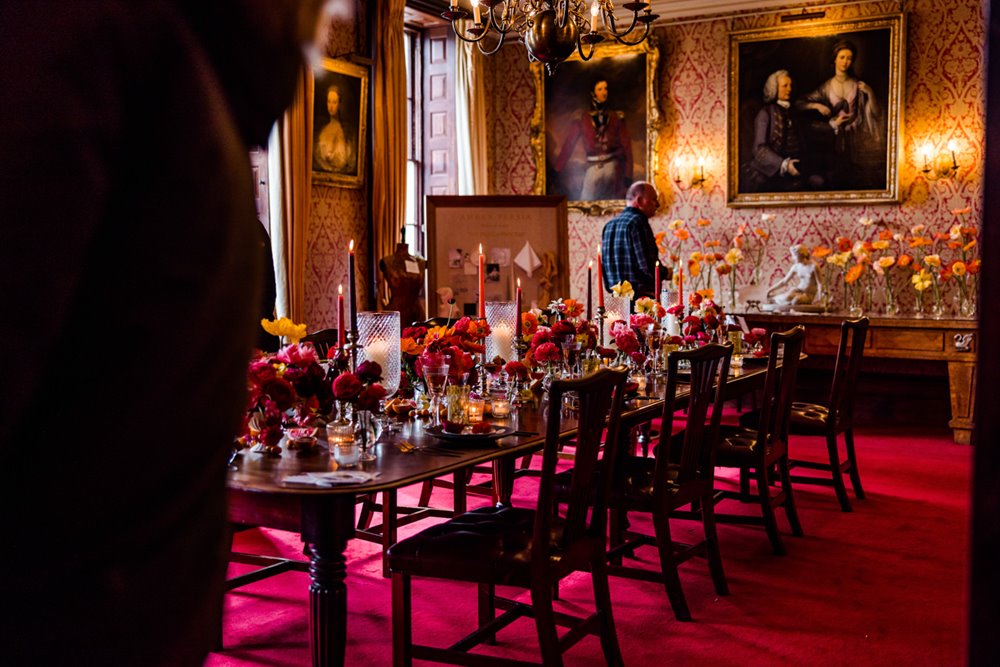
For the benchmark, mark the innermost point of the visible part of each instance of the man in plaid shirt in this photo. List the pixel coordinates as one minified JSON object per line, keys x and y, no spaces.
{"x":628,"y":249}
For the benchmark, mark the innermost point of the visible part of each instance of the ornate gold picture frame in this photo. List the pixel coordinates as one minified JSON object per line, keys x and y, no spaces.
{"x":595,"y":126}
{"x":834,"y":136}
{"x":340,"y":119}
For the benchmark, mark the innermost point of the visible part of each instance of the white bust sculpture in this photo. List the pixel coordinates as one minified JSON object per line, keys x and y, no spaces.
{"x":801,"y":284}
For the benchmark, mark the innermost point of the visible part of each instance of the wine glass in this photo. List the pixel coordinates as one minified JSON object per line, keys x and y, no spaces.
{"x":571,"y":355}
{"x":436,"y":378}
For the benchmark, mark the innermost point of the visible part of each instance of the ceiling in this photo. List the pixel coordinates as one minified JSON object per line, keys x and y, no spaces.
{"x":674,"y":9}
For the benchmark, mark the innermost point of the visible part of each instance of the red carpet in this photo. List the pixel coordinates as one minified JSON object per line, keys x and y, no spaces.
{"x":883,"y":585}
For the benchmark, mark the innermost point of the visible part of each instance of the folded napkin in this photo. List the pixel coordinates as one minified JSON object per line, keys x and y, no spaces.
{"x":527,"y":259}
{"x":334,"y":478}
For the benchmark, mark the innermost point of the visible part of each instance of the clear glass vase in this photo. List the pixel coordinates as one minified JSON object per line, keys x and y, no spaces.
{"x":366,"y":433}
{"x":855,"y":301}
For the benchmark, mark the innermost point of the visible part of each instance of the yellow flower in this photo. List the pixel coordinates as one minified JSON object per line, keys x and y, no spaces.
{"x":880,"y":245}
{"x":707,"y":294}
{"x":839,"y":259}
{"x":969,"y":246}
{"x":623,"y":289}
{"x":917,"y":229}
{"x":646,"y":306}
{"x":734,"y":256}
{"x":958,"y":268}
{"x":921,"y":280}
{"x":284,"y":327}
{"x":955,"y":232}
{"x":695,"y":256}
{"x":886,"y":262}
{"x":933,"y":260}
{"x":675,"y":224}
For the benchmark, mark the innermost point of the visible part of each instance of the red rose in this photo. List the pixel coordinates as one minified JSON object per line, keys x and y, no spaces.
{"x":369,"y":371}
{"x":280,"y":391}
{"x":370,"y":396}
{"x":541,"y":336}
{"x":547,"y":352}
{"x":517,"y":369}
{"x":261,"y":371}
{"x":562,"y":328}
{"x":346,"y":387}
{"x":627,"y":342}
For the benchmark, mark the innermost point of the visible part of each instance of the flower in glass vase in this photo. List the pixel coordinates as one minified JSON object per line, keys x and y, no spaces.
{"x":883,"y":268}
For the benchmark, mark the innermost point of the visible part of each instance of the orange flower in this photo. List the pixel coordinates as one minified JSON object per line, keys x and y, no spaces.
{"x":702,"y":222}
{"x":904,"y":260}
{"x":660,"y":245}
{"x":821,"y":251}
{"x":529,"y":323}
{"x":410,"y":346}
{"x":739,"y":241}
{"x":844,"y":244}
{"x":885,"y":235}
{"x":762,"y":233}
{"x":713,"y":244}
{"x":854,"y":273}
{"x":919,"y":241}
{"x":962,"y":211}
{"x":723,"y":269}
{"x":682,"y":233}
{"x":954,"y":245}
{"x":573,"y":307}
{"x":969,"y":246}
{"x":974,"y":266}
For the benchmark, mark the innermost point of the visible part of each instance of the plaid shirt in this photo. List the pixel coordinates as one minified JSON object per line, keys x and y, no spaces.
{"x":628,"y":252}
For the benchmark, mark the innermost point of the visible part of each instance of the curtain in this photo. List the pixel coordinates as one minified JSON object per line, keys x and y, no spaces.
{"x":388,"y":134}
{"x":470,"y":121}
{"x":290,"y":158}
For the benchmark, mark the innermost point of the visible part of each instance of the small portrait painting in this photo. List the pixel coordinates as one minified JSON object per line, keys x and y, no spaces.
{"x":492,"y":273}
{"x":455,"y":258}
{"x":339,"y":123}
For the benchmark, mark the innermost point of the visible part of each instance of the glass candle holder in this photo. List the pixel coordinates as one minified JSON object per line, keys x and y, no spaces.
{"x":615,"y":308}
{"x":474,"y":409}
{"x":500,"y":407}
{"x":501,"y":316}
{"x":378,"y":341}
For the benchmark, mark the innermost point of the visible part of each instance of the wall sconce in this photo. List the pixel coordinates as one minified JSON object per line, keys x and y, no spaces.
{"x":696,"y":170}
{"x":942,"y":165}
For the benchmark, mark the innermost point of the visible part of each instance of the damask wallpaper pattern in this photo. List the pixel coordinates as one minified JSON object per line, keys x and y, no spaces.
{"x":944,"y":99}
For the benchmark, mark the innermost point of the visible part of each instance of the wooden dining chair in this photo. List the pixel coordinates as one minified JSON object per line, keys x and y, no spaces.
{"x":681,"y":473}
{"x":758,"y":451}
{"x":322,"y":340}
{"x":831,"y":420}
{"x":528,"y":548}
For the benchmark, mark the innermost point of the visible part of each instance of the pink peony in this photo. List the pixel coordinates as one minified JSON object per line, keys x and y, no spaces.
{"x":547,"y":352}
{"x":627,"y":341}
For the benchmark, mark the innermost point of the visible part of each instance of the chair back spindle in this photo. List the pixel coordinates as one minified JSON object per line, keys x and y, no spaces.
{"x":845,"y":372}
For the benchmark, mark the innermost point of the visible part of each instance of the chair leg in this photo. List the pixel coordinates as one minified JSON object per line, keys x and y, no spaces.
{"x":838,"y":476}
{"x":425,"y":493}
{"x":767,"y":511}
{"x":712,"y":547}
{"x":389,"y":526}
{"x":545,"y":623}
{"x":859,"y":492}
{"x":786,"y":487}
{"x":402,"y":621}
{"x":744,"y":485}
{"x":365,"y":517}
{"x":487,"y":609}
{"x":668,"y":567}
{"x":618,"y":521}
{"x":602,"y":599}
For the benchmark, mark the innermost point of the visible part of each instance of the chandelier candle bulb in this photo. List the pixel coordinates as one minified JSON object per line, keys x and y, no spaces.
{"x":593,"y":16}
{"x":476,"y":12}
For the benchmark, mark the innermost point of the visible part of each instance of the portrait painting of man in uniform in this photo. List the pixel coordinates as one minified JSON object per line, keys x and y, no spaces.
{"x":593,"y":135}
{"x":814,"y":113}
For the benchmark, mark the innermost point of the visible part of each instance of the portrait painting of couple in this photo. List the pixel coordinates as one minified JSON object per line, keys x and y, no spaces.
{"x":814,"y":113}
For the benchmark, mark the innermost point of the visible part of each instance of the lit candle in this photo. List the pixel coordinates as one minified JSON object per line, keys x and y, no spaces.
{"x":341,"y":330}
{"x":593,"y":16}
{"x":656,"y":281}
{"x":590,"y":297}
{"x":517,"y":319}
{"x":926,"y":152}
{"x":952,"y":147}
{"x":600,"y":280}
{"x":680,"y":287}
{"x":352,"y":291}
{"x":482,"y":282}
{"x":476,"y":13}
{"x":503,"y":338}
{"x":377,"y":350}
{"x":475,"y":407}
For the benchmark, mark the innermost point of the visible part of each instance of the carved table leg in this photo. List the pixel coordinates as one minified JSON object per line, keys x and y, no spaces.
{"x":503,"y":480}
{"x":327,"y":525}
{"x":962,"y":387}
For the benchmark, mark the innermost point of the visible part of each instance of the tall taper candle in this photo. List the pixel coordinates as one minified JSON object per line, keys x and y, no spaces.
{"x":680,"y":287}
{"x":482,"y":282}
{"x":341,"y":328}
{"x":600,"y":280}
{"x":590,"y":296}
{"x":352,"y":289}
{"x":517,"y":322}
{"x":656,"y":282}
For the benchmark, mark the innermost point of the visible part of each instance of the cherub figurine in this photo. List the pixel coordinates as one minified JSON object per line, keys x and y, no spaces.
{"x":805,"y":286}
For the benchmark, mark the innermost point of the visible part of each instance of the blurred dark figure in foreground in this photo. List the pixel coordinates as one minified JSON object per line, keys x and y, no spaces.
{"x":129,"y":266}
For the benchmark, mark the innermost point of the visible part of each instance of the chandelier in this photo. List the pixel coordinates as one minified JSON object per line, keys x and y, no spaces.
{"x":550,"y":30}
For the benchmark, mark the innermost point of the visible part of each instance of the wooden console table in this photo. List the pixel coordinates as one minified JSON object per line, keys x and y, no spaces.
{"x":951,"y":341}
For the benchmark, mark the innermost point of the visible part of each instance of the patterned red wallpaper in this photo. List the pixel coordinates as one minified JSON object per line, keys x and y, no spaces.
{"x":944,"y":99}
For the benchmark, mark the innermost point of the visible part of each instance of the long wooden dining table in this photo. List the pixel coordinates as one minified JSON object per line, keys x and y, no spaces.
{"x":325,"y":517}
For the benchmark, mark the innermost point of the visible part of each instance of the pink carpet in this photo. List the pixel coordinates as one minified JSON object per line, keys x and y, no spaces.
{"x":883,"y":585}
